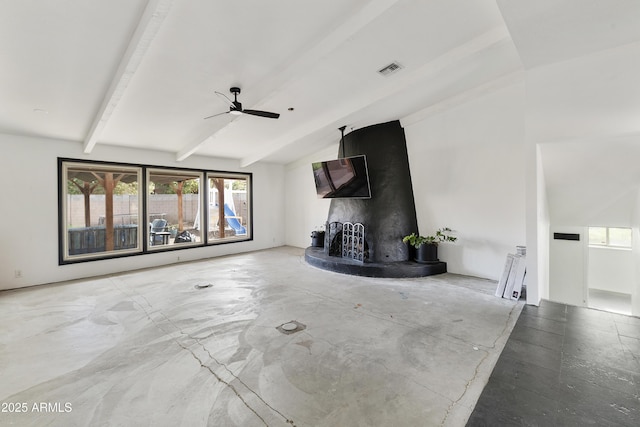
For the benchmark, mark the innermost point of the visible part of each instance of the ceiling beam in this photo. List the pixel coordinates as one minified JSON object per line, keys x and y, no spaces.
{"x":154,"y":14}
{"x":501,"y":82}
{"x":399,"y":82}
{"x":280,"y":77}
{"x":208,"y":137}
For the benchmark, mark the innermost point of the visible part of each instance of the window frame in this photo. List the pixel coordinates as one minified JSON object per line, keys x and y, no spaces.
{"x":230,"y":175}
{"x":607,"y":243}
{"x":143,"y":233}
{"x":149,"y":172}
{"x":63,"y":208}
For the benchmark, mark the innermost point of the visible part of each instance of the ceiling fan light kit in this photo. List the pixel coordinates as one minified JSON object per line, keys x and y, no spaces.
{"x":235,"y":107}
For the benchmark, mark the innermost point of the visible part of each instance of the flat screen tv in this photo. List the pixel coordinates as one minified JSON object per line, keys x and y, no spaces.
{"x":342,"y":178}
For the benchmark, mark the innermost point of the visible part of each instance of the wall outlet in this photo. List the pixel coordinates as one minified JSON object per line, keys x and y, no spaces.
{"x":18,"y":274}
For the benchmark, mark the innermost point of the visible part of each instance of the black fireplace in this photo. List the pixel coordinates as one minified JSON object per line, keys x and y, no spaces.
{"x":375,"y":246}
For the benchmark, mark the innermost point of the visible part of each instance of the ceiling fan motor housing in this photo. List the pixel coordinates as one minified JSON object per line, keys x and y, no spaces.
{"x":236,"y":107}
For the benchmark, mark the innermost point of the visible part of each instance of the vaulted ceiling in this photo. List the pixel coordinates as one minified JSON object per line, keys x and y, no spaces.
{"x":143,"y":73}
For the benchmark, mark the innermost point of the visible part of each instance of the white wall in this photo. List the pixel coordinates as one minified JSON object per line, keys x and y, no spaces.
{"x":587,"y":97}
{"x":537,"y":219}
{"x":305,"y":211}
{"x":635,"y":224}
{"x":28,"y":170}
{"x":567,"y":267}
{"x":610,"y":270}
{"x":584,"y":112}
{"x":467,"y":169}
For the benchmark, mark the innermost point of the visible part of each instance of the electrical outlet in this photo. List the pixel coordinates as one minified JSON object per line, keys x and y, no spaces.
{"x":18,"y":274}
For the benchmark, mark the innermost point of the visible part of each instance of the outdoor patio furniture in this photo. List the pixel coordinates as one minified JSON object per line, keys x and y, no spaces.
{"x":158,"y":232}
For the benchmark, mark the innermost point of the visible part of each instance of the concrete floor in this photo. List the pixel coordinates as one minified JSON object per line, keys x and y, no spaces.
{"x":148,"y":348}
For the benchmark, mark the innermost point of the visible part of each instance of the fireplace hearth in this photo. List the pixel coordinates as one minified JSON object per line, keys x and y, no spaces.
{"x":318,"y":258}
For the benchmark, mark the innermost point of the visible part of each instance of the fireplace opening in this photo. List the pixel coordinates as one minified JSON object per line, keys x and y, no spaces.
{"x":346,"y":240}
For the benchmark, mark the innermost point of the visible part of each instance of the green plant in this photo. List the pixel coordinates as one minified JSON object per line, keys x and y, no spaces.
{"x":442,"y":235}
{"x":414,"y":240}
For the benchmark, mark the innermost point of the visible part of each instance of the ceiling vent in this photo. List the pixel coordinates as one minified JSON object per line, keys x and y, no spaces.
{"x":390,"y":69}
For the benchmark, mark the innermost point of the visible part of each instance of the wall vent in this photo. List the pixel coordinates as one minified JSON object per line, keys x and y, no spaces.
{"x":566,"y":236}
{"x":390,"y":69}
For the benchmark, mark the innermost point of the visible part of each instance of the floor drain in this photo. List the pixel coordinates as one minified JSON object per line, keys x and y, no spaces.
{"x":203,"y":285}
{"x":291,"y":327}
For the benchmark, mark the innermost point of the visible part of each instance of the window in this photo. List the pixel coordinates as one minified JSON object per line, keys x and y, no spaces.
{"x":229,"y":207}
{"x":610,"y":236}
{"x":108,"y":210}
{"x":100,"y":210}
{"x":173,"y":208}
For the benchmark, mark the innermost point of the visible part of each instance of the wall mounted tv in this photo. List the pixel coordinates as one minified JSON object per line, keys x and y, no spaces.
{"x":342,"y":178}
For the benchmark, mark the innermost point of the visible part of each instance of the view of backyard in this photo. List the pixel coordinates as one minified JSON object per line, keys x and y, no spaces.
{"x":103,"y":209}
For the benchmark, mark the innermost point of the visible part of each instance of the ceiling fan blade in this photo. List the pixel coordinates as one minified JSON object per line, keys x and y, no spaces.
{"x":262,"y":113}
{"x":225,"y":98}
{"x":215,"y":115}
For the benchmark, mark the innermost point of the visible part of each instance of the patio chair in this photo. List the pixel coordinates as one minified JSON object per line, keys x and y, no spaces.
{"x":158,"y":232}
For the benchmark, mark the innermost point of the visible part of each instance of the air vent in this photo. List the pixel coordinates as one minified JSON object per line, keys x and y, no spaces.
{"x":566,"y":236}
{"x":390,"y":69}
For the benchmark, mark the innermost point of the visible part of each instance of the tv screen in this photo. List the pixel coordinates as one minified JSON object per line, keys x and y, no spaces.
{"x":342,"y":178}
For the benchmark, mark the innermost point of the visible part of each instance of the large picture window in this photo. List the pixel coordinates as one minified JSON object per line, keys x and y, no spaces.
{"x":108,"y":209}
{"x":173,"y":208}
{"x":100,"y":210}
{"x":229,"y":207}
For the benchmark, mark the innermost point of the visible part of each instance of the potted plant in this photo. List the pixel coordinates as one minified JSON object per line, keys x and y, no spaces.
{"x":173,"y":229}
{"x":427,"y":246}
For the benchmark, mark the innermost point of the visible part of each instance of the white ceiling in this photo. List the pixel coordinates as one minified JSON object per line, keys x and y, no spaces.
{"x":592,"y":183}
{"x":142,"y":74}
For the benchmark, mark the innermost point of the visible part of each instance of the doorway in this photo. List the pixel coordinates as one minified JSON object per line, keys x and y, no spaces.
{"x":592,"y":267}
{"x":610,"y":269}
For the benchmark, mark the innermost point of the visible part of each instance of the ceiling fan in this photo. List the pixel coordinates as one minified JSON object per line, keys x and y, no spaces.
{"x":235,"y":107}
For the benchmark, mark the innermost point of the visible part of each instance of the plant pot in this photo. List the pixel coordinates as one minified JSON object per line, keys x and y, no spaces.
{"x":317,"y":239}
{"x":411,"y":251}
{"x":427,"y":253}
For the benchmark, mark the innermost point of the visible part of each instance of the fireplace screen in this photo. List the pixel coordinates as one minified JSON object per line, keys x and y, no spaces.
{"x":333,"y":239}
{"x":345,"y":241}
{"x":353,"y":241}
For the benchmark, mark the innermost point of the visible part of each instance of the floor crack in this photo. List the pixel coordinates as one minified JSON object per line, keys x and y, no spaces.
{"x":200,"y":362}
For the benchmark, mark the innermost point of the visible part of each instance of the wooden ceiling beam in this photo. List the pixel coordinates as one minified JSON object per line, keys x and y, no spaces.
{"x":146,"y":31}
